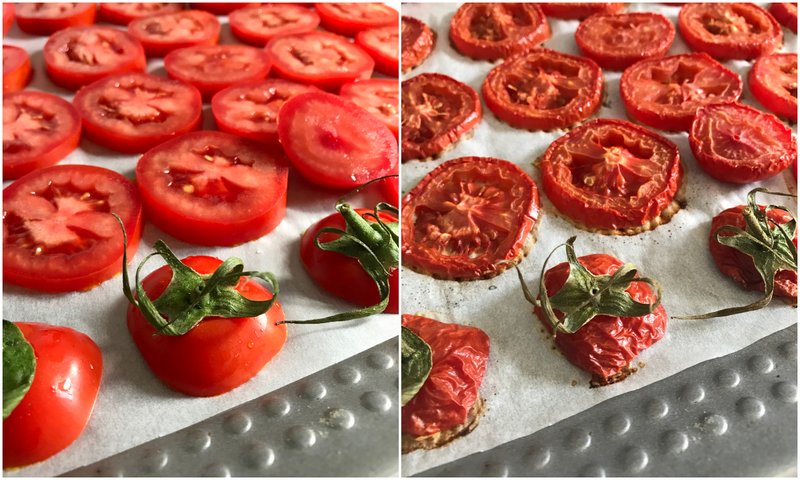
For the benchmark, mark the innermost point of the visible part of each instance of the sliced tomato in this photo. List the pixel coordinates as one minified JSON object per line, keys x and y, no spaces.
{"x":785,"y":14}
{"x":48,"y":18}
{"x":611,"y":175}
{"x":59,"y":234}
{"x":258,"y":24}
{"x":134,"y":112}
{"x":16,"y":69}
{"x":579,"y":11}
{"x":468,"y":215}
{"x":381,"y":44}
{"x":213,"y":188}
{"x":165,"y":32}
{"x":125,"y":13}
{"x":8,"y":17}
{"x":350,"y":18}
{"x":544,"y":90}
{"x":391,"y":190}
{"x":773,"y":81}
{"x":418,"y":41}
{"x":666,"y":92}
{"x":321,"y":59}
{"x":380,"y":97}
{"x":211,"y":68}
{"x":335,"y":143}
{"x":488,"y":31}
{"x":223,"y":8}
{"x":618,"y":41}
{"x":78,"y":56}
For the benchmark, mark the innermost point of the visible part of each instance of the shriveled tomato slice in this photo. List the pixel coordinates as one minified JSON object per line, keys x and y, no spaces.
{"x":612,"y":175}
{"x":466,"y":216}
{"x":544,"y":90}
{"x":48,"y":18}
{"x":665,"y":93}
{"x":58,"y":231}
{"x":258,"y":24}
{"x":579,"y":11}
{"x":165,"y":32}
{"x":417,"y":44}
{"x":223,"y":8}
{"x":381,"y":44}
{"x":134,"y":112}
{"x":125,"y":13}
{"x":785,"y":14}
{"x":16,"y":68}
{"x":380,"y":97}
{"x":488,"y":31}
{"x":437,"y":111}
{"x":350,"y":18}
{"x":8,"y":17}
{"x":618,"y":41}
{"x":773,"y":81}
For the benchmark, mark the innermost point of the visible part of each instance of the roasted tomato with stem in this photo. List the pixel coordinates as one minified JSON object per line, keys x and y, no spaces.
{"x":773,"y":81}
{"x":381,"y":44}
{"x":378,"y":96}
{"x":48,"y":18}
{"x":165,"y":32}
{"x":258,"y":24}
{"x":350,"y":18}
{"x":580,"y":11}
{"x":16,"y":69}
{"x":785,"y":14}
{"x":417,"y":42}
{"x":125,"y":13}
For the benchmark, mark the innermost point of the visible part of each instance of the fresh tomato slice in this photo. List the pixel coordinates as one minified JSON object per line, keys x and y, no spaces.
{"x":48,"y":18}
{"x":418,"y":41}
{"x":785,"y":14}
{"x":666,"y":92}
{"x":612,"y":175}
{"x":213,"y":188}
{"x":350,"y":18}
{"x":544,"y":90}
{"x":125,"y":13}
{"x":59,"y":234}
{"x":69,"y":367}
{"x":579,"y":11}
{"x":250,"y":110}
{"x":165,"y":32}
{"x":437,"y":111}
{"x":380,"y":97}
{"x":773,"y":81}
{"x":211,"y":68}
{"x":381,"y":44}
{"x":488,"y":31}
{"x":134,"y":112}
{"x":8,"y":17}
{"x":618,"y":41}
{"x":391,"y":190}
{"x":729,"y":30}
{"x":78,"y":56}
{"x":217,"y":355}
{"x":335,"y":143}
{"x":16,"y":69}
{"x":466,"y":216}
{"x":220,"y":8}
{"x":258,"y":24}
{"x":321,"y":59}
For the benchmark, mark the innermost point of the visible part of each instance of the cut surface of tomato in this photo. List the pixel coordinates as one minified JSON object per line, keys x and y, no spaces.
{"x":785,"y":14}
{"x":381,"y":44}
{"x":350,"y":18}
{"x":466,"y":216}
{"x":8,"y":17}
{"x":579,"y":11}
{"x":211,"y":68}
{"x":165,"y":32}
{"x":488,"y":31}
{"x":48,"y":18}
{"x":220,"y":8}
{"x":380,"y":97}
{"x":16,"y":69}
{"x":618,"y":41}
{"x":125,"y":13}
{"x":773,"y":81}
{"x":417,"y":42}
{"x":258,"y":24}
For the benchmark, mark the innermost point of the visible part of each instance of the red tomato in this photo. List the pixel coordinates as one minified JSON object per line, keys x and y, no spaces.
{"x":8,"y":17}
{"x":618,"y":41}
{"x":350,"y":18}
{"x":739,"y":144}
{"x":78,"y":56}
{"x":321,"y":59}
{"x":211,"y":68}
{"x":459,"y":357}
{"x":544,"y":90}
{"x":16,"y":69}
{"x":437,"y":111}
{"x":580,"y":11}
{"x":666,"y":92}
{"x":250,"y":110}
{"x":773,"y":81}
{"x":220,"y":8}
{"x":381,"y":44}
{"x":418,"y":41}
{"x":165,"y":32}
{"x":125,"y":13}
{"x":380,"y":97}
{"x":134,"y":112}
{"x":391,"y":190}
{"x":334,"y":143}
{"x":785,"y":14}
{"x":48,"y":18}
{"x":58,"y":405}
{"x":258,"y":24}
{"x":611,"y":175}
{"x":466,"y":216}
{"x":58,"y":231}
{"x":217,"y":355}
{"x":212,"y":188}
{"x":488,"y":31}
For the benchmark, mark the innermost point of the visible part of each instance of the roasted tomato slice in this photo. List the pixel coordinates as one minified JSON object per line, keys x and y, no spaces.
{"x":165,"y":32}
{"x":134,"y":112}
{"x":544,"y":90}
{"x":488,"y":31}
{"x":125,"y":13}
{"x":224,"y":8}
{"x":48,"y":18}
{"x":613,"y":176}
{"x":78,"y":56}
{"x":773,"y":81}
{"x":666,"y":92}
{"x":729,"y":30}
{"x":258,"y":24}
{"x":618,"y":41}
{"x":16,"y":69}
{"x":381,"y":44}
{"x":350,"y":18}
{"x":739,"y":144}
{"x":468,"y":215}
{"x":213,"y":188}
{"x":380,"y":97}
{"x":437,"y":111}
{"x":579,"y":11}
{"x":417,"y":44}
{"x":8,"y":17}
{"x":785,"y":14}
{"x":39,"y":129}
{"x":58,"y":231}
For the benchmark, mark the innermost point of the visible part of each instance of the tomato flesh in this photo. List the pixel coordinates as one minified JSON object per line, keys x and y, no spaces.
{"x":418,"y":41}
{"x":350,"y":18}
{"x":489,"y":31}
{"x":162,"y":33}
{"x":785,"y":14}
{"x":379,"y":97}
{"x":16,"y":69}
{"x":258,"y":24}
{"x":773,"y":81}
{"x":48,"y":18}
{"x":580,"y":11}
{"x":381,"y":44}
{"x":8,"y":17}
{"x":221,"y":8}
{"x":125,"y":13}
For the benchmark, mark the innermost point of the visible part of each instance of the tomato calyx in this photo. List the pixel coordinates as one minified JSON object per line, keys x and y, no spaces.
{"x":417,"y":362}
{"x":19,"y":367}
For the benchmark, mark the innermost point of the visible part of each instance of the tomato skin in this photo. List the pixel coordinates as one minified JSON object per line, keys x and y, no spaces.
{"x":642,"y":35}
{"x":417,"y":44}
{"x":579,"y":11}
{"x":30,"y":21}
{"x":16,"y":69}
{"x":378,"y":96}
{"x":350,"y":18}
{"x":8,"y":17}
{"x":125,"y":13}
{"x":785,"y":14}
{"x":159,"y":45}
{"x":391,"y":190}
{"x":58,"y":405}
{"x":381,"y":44}
{"x":217,"y":355}
{"x":771,"y":79}
{"x":306,"y":21}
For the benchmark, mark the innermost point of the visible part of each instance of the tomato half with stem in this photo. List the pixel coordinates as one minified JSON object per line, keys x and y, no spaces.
{"x":350,"y":18}
{"x":258,"y":24}
{"x":165,"y":32}
{"x":378,"y":96}
{"x":580,"y":11}
{"x":381,"y":44}
{"x":48,"y":18}
{"x":773,"y":81}
{"x":125,"y":13}
{"x":417,"y":42}
{"x":8,"y":17}
{"x":785,"y":14}
{"x":16,"y":69}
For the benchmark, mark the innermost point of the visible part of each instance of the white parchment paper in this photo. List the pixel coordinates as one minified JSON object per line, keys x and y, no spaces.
{"x":528,"y":385}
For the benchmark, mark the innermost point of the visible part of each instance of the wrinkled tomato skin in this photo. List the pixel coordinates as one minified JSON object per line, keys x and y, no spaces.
{"x":56,"y":409}
{"x":579,"y":11}
{"x":218,"y":354}
{"x":776,"y":98}
{"x":19,"y":72}
{"x":32,"y":24}
{"x":417,"y":42}
{"x":607,"y":344}
{"x":785,"y":14}
{"x":460,"y":354}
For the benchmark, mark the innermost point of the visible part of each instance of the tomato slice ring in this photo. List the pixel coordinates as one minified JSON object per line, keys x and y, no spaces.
{"x":8,"y":17}
{"x":48,"y":18}
{"x":579,"y":11}
{"x":380,"y":97}
{"x":58,"y":231}
{"x":258,"y":24}
{"x":612,"y":176}
{"x":785,"y":14}
{"x":165,"y":32}
{"x":213,"y":188}
{"x":437,"y":110}
{"x":618,"y":41}
{"x":125,"y":13}
{"x":466,"y":216}
{"x":488,"y":31}
{"x":544,"y":90}
{"x":16,"y":69}
{"x":381,"y":44}
{"x":350,"y":18}
{"x":773,"y":81}
{"x":418,"y":41}
{"x":666,"y":92}
{"x":134,"y":112}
